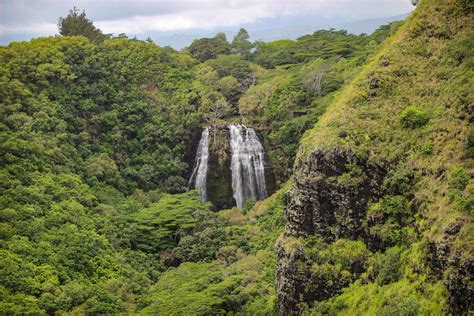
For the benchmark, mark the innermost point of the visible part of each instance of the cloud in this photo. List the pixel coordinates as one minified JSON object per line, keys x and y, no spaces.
{"x":214,"y":14}
{"x":187,"y":20}
{"x":142,"y":16}
{"x":42,"y":28}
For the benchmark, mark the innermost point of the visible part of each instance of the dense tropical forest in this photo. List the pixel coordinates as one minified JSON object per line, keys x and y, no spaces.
{"x":368,"y":140}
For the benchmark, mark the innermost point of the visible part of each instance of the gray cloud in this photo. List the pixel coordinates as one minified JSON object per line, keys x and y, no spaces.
{"x":139,"y":17}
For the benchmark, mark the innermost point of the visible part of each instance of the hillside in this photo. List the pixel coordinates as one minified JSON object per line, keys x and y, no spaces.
{"x":363,"y":145}
{"x":379,"y":219}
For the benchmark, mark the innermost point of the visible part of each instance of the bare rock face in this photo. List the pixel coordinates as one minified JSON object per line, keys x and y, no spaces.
{"x":329,"y":199}
{"x":456,"y":270}
{"x":292,"y":277}
{"x":330,"y":195}
{"x":219,"y":176}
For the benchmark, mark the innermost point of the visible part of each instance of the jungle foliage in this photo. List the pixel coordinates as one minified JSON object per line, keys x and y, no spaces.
{"x":95,"y":213}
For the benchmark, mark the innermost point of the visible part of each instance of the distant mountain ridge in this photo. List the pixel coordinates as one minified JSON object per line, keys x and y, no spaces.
{"x":179,"y":41}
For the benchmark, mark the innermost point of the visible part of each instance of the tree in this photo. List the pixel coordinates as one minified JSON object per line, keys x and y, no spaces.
{"x":209,"y":48}
{"x":77,"y":24}
{"x":162,"y":224}
{"x":241,"y":44}
{"x":313,"y":81}
{"x":214,"y":106}
{"x":230,"y":88}
{"x":254,"y":100}
{"x":250,"y":80}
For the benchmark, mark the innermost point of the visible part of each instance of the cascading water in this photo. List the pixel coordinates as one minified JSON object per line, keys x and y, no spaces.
{"x":198,"y":179}
{"x":247,"y":165}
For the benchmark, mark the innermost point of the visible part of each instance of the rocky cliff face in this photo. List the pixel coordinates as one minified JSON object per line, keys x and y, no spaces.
{"x":329,"y":199}
{"x":339,"y":196}
{"x":455,"y":269}
{"x":219,"y":176}
{"x":330,"y":195}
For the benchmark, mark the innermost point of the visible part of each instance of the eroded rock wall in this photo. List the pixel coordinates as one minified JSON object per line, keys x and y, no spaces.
{"x":329,"y":199}
{"x":219,"y":184}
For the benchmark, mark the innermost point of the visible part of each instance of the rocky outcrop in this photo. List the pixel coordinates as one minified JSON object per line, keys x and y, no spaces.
{"x":191,"y":149}
{"x":329,"y":199}
{"x":330,"y":195}
{"x":292,"y":278}
{"x":219,"y":184}
{"x":456,"y":270}
{"x":270,"y":172}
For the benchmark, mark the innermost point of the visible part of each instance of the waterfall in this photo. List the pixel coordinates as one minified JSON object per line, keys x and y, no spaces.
{"x":247,"y":164}
{"x":198,"y":177}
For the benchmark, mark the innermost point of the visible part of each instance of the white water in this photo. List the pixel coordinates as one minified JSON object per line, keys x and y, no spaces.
{"x":199,"y":175}
{"x":247,"y":165}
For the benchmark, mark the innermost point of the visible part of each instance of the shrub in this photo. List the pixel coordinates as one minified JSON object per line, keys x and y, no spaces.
{"x":466,"y":5}
{"x":397,"y":207}
{"x":459,"y":49}
{"x":412,"y":117}
{"x":353,"y":176}
{"x":385,"y":267}
{"x":399,"y":180}
{"x":201,"y":246}
{"x":248,"y":205}
{"x":427,"y":149}
{"x":388,"y":220}
{"x":458,"y":177}
{"x":400,"y":306}
{"x":336,"y":264}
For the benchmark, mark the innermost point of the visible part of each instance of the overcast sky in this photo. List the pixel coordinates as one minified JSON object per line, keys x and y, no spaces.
{"x":24,"y":19}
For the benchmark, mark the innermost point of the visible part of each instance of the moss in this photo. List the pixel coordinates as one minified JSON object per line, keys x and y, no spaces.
{"x":290,"y":243}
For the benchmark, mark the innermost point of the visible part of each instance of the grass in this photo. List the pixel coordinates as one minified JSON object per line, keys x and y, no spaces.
{"x":421,"y":75}
{"x":428,"y":82}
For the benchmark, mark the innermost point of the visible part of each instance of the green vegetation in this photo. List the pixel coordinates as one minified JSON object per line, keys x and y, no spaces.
{"x":232,"y":265}
{"x":93,"y":143}
{"x":160,"y":226}
{"x":427,"y":193}
{"x":75,"y":24}
{"x":310,"y":72}
{"x":209,"y":48}
{"x":95,"y":216}
{"x":413,"y":117}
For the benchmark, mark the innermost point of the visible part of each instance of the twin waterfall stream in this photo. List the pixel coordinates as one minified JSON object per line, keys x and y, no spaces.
{"x":247,"y":165}
{"x":199,"y":176}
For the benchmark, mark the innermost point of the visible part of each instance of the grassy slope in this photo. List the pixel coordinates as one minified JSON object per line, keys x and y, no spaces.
{"x":430,"y":67}
{"x":419,"y":74}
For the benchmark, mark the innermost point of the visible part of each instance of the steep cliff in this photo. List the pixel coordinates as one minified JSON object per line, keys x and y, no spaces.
{"x":382,"y":197}
{"x":219,"y":176}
